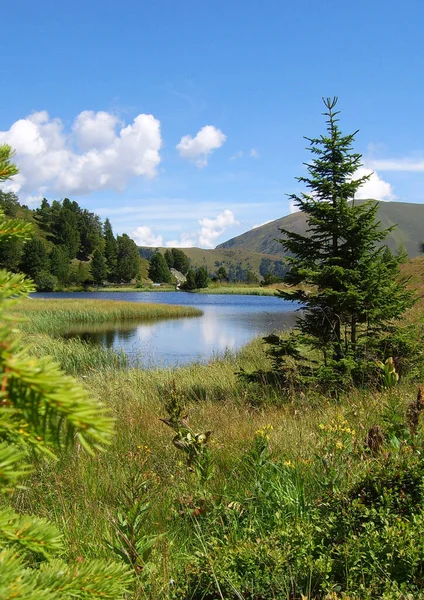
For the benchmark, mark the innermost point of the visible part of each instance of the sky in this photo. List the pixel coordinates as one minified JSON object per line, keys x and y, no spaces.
{"x":183,"y":121}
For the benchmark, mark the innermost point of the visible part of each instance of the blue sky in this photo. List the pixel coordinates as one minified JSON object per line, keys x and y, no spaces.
{"x":183,"y":121}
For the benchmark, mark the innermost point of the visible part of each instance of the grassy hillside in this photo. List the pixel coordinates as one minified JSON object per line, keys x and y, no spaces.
{"x":226,"y":257}
{"x":409,"y":232}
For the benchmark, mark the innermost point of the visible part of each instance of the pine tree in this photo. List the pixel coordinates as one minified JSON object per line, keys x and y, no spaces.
{"x":354,"y":288}
{"x":202,"y":278}
{"x":169,"y":257}
{"x":127,"y":258}
{"x":190,"y":283}
{"x":41,"y":411}
{"x":180,"y":260}
{"x":59,"y":263}
{"x":98,"y":266}
{"x":34,"y":258}
{"x":110,"y":248}
{"x":158,"y":269}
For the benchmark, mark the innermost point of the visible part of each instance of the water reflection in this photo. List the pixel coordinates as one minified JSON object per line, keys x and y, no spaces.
{"x":228,"y":323}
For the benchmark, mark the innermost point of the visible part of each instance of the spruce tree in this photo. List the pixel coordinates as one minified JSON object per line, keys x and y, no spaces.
{"x":59,"y":263}
{"x":98,"y":266}
{"x":190,"y":283}
{"x":127,"y":258}
{"x":158,"y":269}
{"x":35,"y":258}
{"x":180,"y":260}
{"x":169,"y":257}
{"x":42,"y":410}
{"x":354,"y":291}
{"x":110,"y":248}
{"x":202,"y":278}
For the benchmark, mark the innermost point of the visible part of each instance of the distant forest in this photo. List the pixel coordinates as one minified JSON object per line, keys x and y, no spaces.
{"x":72,"y":247}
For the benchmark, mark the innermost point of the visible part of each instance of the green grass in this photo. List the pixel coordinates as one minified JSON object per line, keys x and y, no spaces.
{"x":245,"y":290}
{"x":83,"y":494}
{"x":278,"y":518}
{"x":55,"y":315}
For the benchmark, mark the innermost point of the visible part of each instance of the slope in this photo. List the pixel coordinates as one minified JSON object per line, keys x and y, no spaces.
{"x":408,"y":218}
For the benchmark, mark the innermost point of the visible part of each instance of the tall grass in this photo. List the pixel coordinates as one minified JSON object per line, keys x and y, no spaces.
{"x":235,"y":289}
{"x":279,"y":506}
{"x":54,"y":315}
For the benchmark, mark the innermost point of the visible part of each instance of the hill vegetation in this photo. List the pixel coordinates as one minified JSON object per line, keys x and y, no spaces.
{"x":408,"y":233}
{"x":241,"y":264}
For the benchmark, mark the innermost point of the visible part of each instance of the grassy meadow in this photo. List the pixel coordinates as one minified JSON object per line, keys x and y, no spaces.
{"x":245,"y":492}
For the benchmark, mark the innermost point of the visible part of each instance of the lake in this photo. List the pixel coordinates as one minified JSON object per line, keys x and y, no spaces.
{"x":228,"y":323}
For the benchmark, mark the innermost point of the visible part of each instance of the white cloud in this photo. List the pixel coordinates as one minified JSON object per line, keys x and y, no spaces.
{"x":186,"y":241}
{"x":95,"y":155}
{"x":236,"y":156}
{"x":144,"y":236}
{"x":293,"y":207}
{"x":254,"y":153}
{"x":375,"y":188}
{"x":94,"y":130}
{"x":214,"y":228}
{"x":403,"y":164}
{"x":197,"y":149}
{"x":210,"y":230}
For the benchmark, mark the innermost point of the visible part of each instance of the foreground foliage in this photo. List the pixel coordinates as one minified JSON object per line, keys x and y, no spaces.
{"x":42,"y":411}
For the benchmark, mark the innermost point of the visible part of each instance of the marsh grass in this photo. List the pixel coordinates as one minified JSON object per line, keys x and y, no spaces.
{"x":83,"y":494}
{"x":55,"y":315}
{"x":279,"y":504}
{"x":237,"y":289}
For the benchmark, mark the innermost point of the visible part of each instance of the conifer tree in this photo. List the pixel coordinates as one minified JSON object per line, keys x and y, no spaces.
{"x":110,"y":248}
{"x":35,"y":257}
{"x":181,"y":261}
{"x":354,"y":292}
{"x":190,"y":283}
{"x":169,"y":257}
{"x":158,"y":269}
{"x":98,"y":266}
{"x":41,"y":411}
{"x":127,"y":258}
{"x":59,"y":263}
{"x":202,"y":278}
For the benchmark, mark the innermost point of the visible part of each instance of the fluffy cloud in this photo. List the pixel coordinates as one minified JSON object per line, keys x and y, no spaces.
{"x":197,"y":149}
{"x":205,"y":237}
{"x":213,"y":228}
{"x":99,"y":153}
{"x":186,"y":241}
{"x":144,"y":236}
{"x":375,"y":188}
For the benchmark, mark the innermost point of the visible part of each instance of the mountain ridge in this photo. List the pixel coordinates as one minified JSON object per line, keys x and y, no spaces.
{"x":407,"y":217}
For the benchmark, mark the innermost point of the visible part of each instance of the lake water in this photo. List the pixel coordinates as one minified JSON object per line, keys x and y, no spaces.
{"x":228,"y":323}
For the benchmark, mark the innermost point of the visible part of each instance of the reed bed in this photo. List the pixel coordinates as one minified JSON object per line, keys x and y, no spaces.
{"x":242,"y":290}
{"x":54,"y":315}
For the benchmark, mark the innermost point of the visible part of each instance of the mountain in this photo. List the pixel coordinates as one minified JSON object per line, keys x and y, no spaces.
{"x":408,"y":218}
